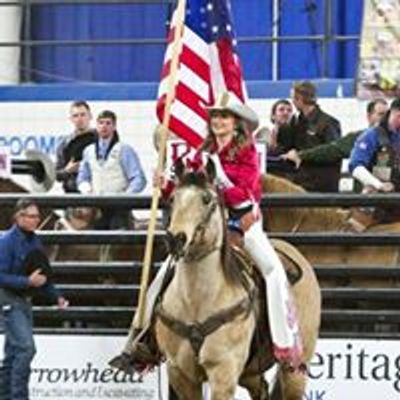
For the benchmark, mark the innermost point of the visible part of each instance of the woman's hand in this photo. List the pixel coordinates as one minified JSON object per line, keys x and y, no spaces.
{"x":158,"y":179}
{"x":247,"y":220}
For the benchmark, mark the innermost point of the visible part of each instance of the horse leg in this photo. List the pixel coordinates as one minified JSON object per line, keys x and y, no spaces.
{"x":223,"y":381}
{"x":293,"y":384}
{"x":184,"y":388}
{"x":257,"y":386}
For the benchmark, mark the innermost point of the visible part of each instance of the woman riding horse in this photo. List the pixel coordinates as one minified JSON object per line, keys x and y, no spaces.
{"x":230,"y":146}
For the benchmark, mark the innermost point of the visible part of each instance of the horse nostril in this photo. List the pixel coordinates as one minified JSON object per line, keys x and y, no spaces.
{"x":175,"y":243}
{"x":180,"y":239}
{"x":169,"y":241}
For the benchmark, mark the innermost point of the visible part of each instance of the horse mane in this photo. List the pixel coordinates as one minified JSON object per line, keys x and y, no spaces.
{"x":9,"y":186}
{"x":230,"y":268}
{"x":198,"y":179}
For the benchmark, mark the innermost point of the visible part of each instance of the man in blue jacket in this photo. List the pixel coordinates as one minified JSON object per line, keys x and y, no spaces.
{"x":23,"y":271}
{"x":375,"y":159}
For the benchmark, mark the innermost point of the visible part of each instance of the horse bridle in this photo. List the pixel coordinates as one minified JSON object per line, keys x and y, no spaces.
{"x":177,"y":242}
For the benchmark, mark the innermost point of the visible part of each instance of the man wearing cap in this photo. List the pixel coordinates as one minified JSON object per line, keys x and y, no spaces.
{"x":69,"y":151}
{"x":375,"y":159}
{"x":24,"y":270}
{"x":310,"y":128}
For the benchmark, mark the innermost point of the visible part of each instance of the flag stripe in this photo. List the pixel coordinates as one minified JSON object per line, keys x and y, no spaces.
{"x":188,"y":116}
{"x":186,"y":132}
{"x":189,"y":97}
{"x":230,"y":68}
{"x":198,"y":85}
{"x":208,"y":66}
{"x":192,"y":60}
{"x":196,"y":43}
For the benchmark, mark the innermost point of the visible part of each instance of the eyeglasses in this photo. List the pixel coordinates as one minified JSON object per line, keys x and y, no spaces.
{"x":31,"y":216}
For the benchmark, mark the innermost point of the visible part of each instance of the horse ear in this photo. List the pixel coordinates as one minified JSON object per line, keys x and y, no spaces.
{"x":179,"y":169}
{"x":210,"y":170}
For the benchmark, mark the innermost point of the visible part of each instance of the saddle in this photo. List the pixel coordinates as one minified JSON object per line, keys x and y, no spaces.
{"x":290,"y":260}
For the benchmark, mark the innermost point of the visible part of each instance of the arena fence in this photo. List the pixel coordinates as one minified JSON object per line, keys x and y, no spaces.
{"x":104,"y":294}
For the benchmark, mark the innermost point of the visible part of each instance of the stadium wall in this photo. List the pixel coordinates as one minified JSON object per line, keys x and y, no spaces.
{"x":36,"y":116}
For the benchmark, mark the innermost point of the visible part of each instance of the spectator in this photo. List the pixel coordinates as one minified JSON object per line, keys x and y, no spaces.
{"x":69,"y":151}
{"x":24,"y":270}
{"x":375,"y":158}
{"x":281,"y":113}
{"x":341,"y":148}
{"x":310,"y":128}
{"x":109,"y":166}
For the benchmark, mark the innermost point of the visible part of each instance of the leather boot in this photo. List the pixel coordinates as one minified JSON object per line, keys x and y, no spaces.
{"x":142,"y":355}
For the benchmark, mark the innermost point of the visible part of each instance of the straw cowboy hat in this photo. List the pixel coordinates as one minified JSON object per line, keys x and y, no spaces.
{"x":227,"y":101}
{"x":44,"y":172}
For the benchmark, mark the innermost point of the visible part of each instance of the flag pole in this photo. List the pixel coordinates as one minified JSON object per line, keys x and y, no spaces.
{"x":176,"y":50}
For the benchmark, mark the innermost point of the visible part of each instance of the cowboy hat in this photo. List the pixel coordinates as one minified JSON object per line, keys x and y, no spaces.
{"x":227,"y":101}
{"x":37,"y":259}
{"x":44,"y":171}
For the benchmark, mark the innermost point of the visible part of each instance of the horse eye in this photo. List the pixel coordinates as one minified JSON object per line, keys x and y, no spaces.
{"x":206,"y":198}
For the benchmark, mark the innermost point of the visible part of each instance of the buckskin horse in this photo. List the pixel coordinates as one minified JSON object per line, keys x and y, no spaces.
{"x":206,"y":321}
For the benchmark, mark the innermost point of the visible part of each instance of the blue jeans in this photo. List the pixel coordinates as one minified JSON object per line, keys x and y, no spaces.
{"x":19,"y":350}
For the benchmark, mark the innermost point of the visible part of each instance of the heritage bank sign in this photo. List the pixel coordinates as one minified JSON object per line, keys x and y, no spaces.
{"x":75,"y":367}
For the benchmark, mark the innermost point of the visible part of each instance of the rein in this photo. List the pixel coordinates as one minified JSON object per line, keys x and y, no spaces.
{"x":198,"y":236}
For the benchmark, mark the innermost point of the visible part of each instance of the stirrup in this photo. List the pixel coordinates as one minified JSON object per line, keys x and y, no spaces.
{"x":140,"y":360}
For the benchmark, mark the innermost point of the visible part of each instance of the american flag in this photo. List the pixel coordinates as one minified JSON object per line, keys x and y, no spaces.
{"x":208,"y":65}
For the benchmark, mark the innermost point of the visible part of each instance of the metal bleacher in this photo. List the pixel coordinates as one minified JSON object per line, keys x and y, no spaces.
{"x":108,"y":308}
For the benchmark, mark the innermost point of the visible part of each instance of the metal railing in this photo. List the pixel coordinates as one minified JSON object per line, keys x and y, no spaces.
{"x":342,"y":316}
{"x":141,"y":202}
{"x":27,"y":43}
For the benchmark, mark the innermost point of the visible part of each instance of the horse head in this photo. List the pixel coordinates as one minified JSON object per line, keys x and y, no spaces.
{"x":196,"y":226}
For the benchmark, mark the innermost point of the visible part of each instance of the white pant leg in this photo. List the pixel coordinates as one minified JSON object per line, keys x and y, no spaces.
{"x":261,"y":250}
{"x":278,"y":297}
{"x":151,"y":297}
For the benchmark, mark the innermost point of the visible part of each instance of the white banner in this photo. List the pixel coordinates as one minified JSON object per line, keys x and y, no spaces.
{"x":41,"y":125}
{"x":75,"y":367}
